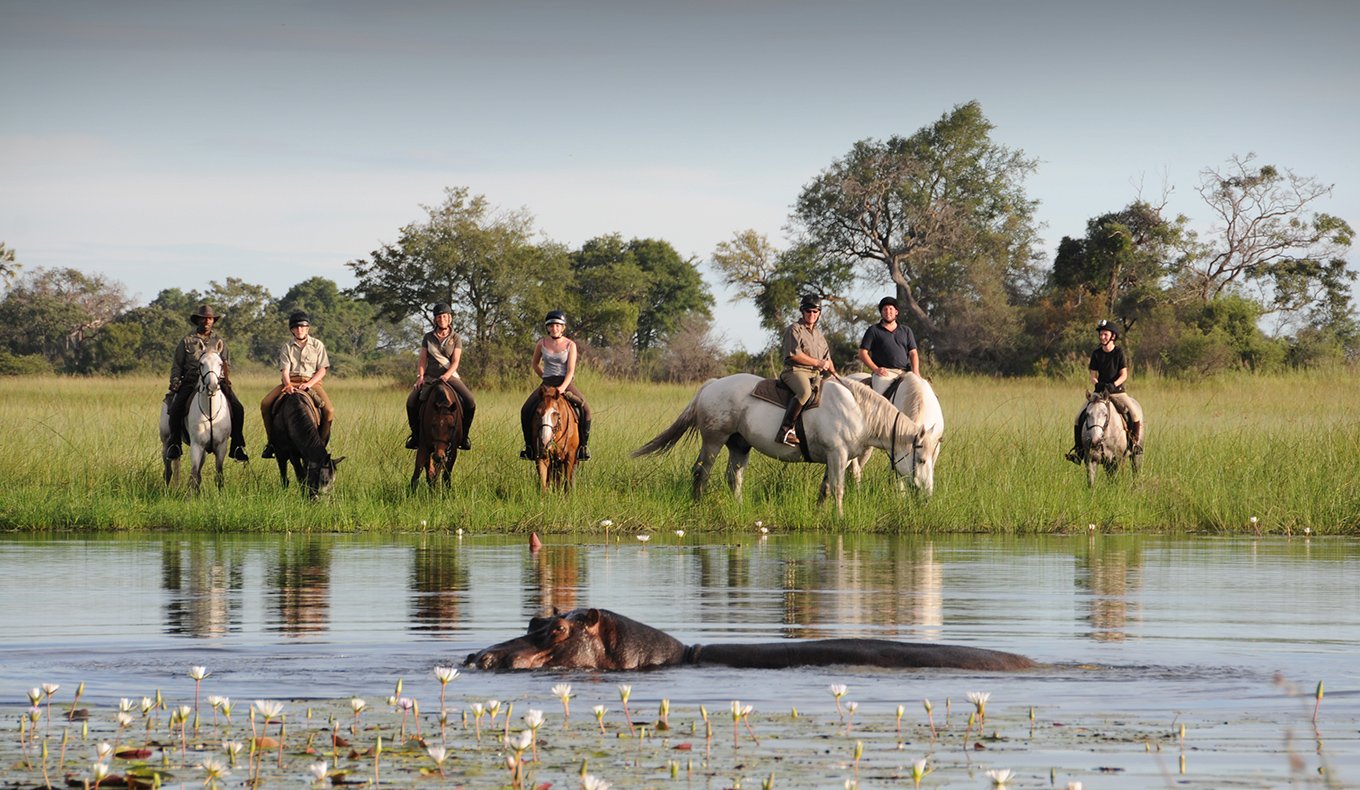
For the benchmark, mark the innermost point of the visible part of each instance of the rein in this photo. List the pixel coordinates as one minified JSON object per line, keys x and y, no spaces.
{"x":203,"y":390}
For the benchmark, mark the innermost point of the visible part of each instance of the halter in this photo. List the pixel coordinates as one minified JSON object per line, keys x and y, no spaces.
{"x":203,"y":389}
{"x":892,"y":453}
{"x":558,"y":426}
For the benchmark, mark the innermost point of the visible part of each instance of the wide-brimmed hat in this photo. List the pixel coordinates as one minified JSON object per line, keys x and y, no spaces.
{"x":204,"y":311}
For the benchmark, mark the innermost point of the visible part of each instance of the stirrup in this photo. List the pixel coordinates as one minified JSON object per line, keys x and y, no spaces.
{"x":411,"y":443}
{"x":268,"y":451}
{"x":238,"y":454}
{"x":791,"y":438}
{"x":174,"y":451}
{"x":1137,"y":448}
{"x":583,"y":453}
{"x":527,"y":455}
{"x":1074,"y":456}
{"x":466,"y":444}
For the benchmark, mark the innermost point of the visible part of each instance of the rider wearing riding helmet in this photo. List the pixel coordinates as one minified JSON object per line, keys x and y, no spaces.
{"x":807,"y":357}
{"x":554,"y":361}
{"x":440,"y":352}
{"x":1109,"y":370}
{"x":184,"y":369}
{"x":303,"y":363}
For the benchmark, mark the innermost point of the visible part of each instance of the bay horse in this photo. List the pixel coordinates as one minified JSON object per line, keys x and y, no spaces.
{"x":557,"y":438}
{"x":296,"y":434}
{"x":1104,"y":437}
{"x":207,"y":421}
{"x":915,"y":398}
{"x":441,"y":431}
{"x":850,"y":419}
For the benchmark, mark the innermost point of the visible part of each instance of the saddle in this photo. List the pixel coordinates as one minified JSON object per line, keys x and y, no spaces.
{"x":313,"y":408}
{"x":778,"y":393}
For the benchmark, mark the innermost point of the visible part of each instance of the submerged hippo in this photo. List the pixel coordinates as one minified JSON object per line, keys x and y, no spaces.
{"x":601,"y":639}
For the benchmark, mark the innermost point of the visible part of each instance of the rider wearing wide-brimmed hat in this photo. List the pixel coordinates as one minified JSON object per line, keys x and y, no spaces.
{"x":554,"y":362}
{"x":1109,"y":370}
{"x":807,"y":357}
{"x":184,"y":368}
{"x":440,"y":352}
{"x":303,"y":363}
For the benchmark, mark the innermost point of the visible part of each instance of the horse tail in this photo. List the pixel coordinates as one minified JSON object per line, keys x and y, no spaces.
{"x":686,"y":423}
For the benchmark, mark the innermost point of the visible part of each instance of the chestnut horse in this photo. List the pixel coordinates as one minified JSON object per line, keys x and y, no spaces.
{"x":441,"y":431}
{"x":557,"y":438}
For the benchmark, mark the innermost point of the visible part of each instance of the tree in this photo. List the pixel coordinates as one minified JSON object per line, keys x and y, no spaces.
{"x":8,"y":268}
{"x":1123,"y":260}
{"x":943,"y":213}
{"x":675,"y":293}
{"x":610,"y":288}
{"x":474,"y":257}
{"x":53,"y":312}
{"x":349,"y":327}
{"x":774,"y":279}
{"x":251,"y":326}
{"x":1266,"y":235}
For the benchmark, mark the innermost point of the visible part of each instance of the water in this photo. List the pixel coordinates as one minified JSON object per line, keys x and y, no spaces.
{"x":1145,"y":629}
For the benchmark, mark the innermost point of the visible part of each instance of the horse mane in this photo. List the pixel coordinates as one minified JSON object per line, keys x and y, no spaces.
{"x":880,"y":416}
{"x":301,"y":429}
{"x":916,"y":401}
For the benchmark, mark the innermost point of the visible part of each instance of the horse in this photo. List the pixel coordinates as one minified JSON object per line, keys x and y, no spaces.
{"x":557,"y":438}
{"x":297,"y":440}
{"x":850,"y":419}
{"x":915,"y":398}
{"x":1104,"y":437}
{"x":441,"y":430}
{"x":207,"y":421}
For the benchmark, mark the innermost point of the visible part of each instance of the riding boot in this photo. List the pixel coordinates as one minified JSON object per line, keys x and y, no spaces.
{"x":1136,"y":429}
{"x":238,"y":419}
{"x":1075,"y":455}
{"x":413,"y":418}
{"x":786,"y":433}
{"x":325,"y":431}
{"x":179,"y":407}
{"x":582,"y":451}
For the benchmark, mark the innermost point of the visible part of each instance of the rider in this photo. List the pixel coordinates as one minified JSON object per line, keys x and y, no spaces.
{"x":806,"y":358}
{"x":1109,"y":371}
{"x":303,"y":363}
{"x":440,"y":351}
{"x":555,"y":362}
{"x":184,"y":369}
{"x":889,"y":349}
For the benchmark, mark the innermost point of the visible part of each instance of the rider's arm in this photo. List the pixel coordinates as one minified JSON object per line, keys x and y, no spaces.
{"x":285,"y":368}
{"x":868,"y":361}
{"x":571,"y":365}
{"x":1121,"y":378}
{"x":421,"y":361}
{"x":453,"y":364}
{"x":915,"y":362}
{"x":538,"y":359}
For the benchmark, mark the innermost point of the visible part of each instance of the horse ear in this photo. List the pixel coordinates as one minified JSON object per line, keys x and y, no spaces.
{"x":336,"y":461}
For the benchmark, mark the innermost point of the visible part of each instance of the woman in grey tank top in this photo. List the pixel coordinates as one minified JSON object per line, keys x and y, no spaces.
{"x":554,"y":362}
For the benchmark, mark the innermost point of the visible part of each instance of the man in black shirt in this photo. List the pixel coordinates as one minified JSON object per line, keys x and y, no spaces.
{"x":1109,"y":370}
{"x":889,"y":349}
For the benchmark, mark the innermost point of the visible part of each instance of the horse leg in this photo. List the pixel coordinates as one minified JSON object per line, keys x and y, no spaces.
{"x":738,"y":456}
{"x":569,"y":473}
{"x":447,"y":466}
{"x":281,"y":456}
{"x":708,"y":453}
{"x":221,"y":452}
{"x":1090,"y":468}
{"x":422,"y":460}
{"x":196,"y":457}
{"x":835,"y":478}
{"x":543,"y":464}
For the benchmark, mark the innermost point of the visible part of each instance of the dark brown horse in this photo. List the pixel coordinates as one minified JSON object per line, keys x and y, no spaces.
{"x":297,"y":440}
{"x":441,"y":431}
{"x":557,"y":437}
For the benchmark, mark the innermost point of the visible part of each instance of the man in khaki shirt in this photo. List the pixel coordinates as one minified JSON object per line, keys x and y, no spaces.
{"x":806,"y":358}
{"x":303,"y":363}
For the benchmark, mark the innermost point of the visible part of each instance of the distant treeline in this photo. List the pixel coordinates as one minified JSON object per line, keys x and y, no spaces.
{"x":940,"y":219}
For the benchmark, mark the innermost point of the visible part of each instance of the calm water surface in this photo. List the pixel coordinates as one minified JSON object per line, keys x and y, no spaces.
{"x":1164,"y":629}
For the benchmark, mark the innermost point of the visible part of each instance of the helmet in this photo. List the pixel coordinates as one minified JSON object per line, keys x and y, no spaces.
{"x":1108,"y":326}
{"x":204,"y":311}
{"x":810,"y":302}
{"x":298,"y":318}
{"x":440,"y":309}
{"x":887,"y":301}
{"x":555,"y":317}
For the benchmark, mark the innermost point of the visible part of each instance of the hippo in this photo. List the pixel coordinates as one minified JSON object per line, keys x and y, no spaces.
{"x":603,"y":640}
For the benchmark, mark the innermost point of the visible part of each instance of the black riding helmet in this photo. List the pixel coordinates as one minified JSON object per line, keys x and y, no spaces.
{"x":810,"y":302}
{"x":440,"y":309}
{"x":1108,"y":326}
{"x":555,"y":317}
{"x":298,"y":318}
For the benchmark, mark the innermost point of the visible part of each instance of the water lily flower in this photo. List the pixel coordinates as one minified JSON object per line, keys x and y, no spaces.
{"x":99,"y":771}
{"x":606,"y":522}
{"x":599,"y":716}
{"x":35,"y":695}
{"x":103,"y":750}
{"x":445,"y":674}
{"x":593,"y":782}
{"x":979,"y":700}
{"x":269,"y":709}
{"x":563,"y":692}
{"x":919,"y":771}
{"x":1000,"y":776}
{"x":439,"y":754}
{"x":123,"y":719}
{"x":213,"y":770}
{"x":644,"y":538}
{"x":50,"y":688}
{"x":317,"y":771}
{"x":680,"y":533}
{"x":838,"y":690}
{"x":198,"y":673}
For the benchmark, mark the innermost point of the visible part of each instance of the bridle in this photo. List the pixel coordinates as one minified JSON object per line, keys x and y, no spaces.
{"x":209,"y":385}
{"x":551,"y":418}
{"x":892,"y":453}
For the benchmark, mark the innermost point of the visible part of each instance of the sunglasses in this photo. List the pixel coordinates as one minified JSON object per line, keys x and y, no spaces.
{"x":812,"y":309}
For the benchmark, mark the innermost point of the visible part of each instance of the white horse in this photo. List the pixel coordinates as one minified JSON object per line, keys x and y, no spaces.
{"x":1104,"y":437}
{"x":207,"y":421}
{"x":850,"y":418}
{"x":916,"y":399}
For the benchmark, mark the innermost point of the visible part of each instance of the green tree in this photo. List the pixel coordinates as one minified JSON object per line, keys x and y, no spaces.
{"x":53,"y":312}
{"x":350,"y":327}
{"x":774,"y":280}
{"x":1122,"y":261}
{"x":610,"y":288}
{"x":675,"y":293}
{"x":251,"y":326}
{"x":942,"y":213}
{"x":478,"y":259}
{"x":8,"y":268}
{"x":1267,"y":235}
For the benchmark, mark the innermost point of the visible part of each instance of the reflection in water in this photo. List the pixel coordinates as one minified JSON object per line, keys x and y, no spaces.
{"x":202,"y":581}
{"x":557,"y":575}
{"x":888,"y":589}
{"x":439,"y":583}
{"x":1111,"y":572}
{"x":300,"y":583}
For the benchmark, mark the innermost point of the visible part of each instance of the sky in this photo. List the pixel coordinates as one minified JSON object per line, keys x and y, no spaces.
{"x":169,"y":144}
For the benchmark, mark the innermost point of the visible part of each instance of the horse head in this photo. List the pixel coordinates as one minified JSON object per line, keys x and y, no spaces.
{"x":210,"y":372}
{"x":442,"y":423}
{"x":1096,"y":423}
{"x":321,"y":475}
{"x":550,"y":414}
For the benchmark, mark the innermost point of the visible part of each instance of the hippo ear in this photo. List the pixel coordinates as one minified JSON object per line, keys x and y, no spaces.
{"x":591,"y":617}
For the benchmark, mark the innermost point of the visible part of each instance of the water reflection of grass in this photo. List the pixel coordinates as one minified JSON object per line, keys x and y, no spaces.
{"x":293,"y":743}
{"x":82,"y":453}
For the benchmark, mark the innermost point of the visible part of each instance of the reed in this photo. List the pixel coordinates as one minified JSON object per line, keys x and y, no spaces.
{"x":82,"y":454}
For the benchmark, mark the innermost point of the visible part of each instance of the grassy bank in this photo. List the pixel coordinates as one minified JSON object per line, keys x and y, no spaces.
{"x":82,"y":454}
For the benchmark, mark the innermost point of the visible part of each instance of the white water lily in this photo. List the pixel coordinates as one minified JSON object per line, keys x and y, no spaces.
{"x":317,"y":771}
{"x":50,"y":688}
{"x":979,"y":700}
{"x":357,"y":705}
{"x":445,"y":674}
{"x":593,"y":782}
{"x":438,"y":753}
{"x":214,"y":768}
{"x":268,"y":708}
{"x":198,"y":673}
{"x":1000,"y":776}
{"x":103,"y":750}
{"x":534,"y":718}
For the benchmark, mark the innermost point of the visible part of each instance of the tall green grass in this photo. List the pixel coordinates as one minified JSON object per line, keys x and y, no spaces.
{"x":83,"y":454}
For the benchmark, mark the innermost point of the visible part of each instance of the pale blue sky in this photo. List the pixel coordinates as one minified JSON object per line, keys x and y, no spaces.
{"x":166,"y":144}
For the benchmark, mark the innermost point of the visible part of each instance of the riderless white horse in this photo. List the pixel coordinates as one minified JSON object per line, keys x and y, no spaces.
{"x":915,"y":398}
{"x":850,"y":419}
{"x":207,"y":422}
